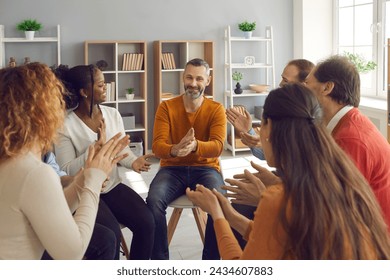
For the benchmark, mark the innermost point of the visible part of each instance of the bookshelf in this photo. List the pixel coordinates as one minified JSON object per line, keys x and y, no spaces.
{"x":126,"y":68}
{"x":259,"y":69}
{"x":170,"y":58}
{"x":43,"y":49}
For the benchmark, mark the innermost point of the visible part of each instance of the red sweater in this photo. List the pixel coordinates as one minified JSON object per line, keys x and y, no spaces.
{"x":362,"y":141}
{"x":171,"y":124}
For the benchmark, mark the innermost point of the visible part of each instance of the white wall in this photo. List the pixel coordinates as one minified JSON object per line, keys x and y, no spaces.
{"x":313,"y":31}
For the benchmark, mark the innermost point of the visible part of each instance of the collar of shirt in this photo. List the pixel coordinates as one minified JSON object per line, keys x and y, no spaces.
{"x":336,"y":118}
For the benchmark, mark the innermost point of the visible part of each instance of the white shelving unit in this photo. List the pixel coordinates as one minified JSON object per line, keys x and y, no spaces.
{"x":262,"y":72}
{"x":113,"y":52}
{"x":9,"y":41}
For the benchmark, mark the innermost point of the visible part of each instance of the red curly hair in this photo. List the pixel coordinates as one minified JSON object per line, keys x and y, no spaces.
{"x":32,"y":108}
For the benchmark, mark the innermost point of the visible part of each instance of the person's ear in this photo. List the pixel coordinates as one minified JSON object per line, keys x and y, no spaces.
{"x":328,"y":88}
{"x":83,"y":93}
{"x":208,"y":80}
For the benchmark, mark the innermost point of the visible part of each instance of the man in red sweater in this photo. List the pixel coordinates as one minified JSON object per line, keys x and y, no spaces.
{"x":336,"y":83}
{"x":188,"y":137}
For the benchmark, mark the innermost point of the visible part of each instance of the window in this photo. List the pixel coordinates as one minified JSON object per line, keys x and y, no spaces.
{"x":362,"y":29}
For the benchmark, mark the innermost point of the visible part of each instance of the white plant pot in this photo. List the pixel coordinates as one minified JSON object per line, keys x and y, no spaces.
{"x":129,"y":96}
{"x":29,"y":35}
{"x":248,"y":34}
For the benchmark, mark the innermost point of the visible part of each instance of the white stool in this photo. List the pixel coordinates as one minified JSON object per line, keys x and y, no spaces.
{"x":179,"y":204}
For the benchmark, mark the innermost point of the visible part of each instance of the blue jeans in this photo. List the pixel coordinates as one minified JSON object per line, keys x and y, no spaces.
{"x":170,"y":183}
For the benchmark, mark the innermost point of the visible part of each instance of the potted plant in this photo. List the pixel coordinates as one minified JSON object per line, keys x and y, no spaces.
{"x":129,"y":93}
{"x":360,"y":62}
{"x":247,"y":28}
{"x":29,"y":26}
{"x":237,"y":77}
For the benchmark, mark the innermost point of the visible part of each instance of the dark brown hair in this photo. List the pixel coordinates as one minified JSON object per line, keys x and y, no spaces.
{"x":75,"y":79}
{"x":334,"y":214}
{"x":304,"y":68}
{"x":343,"y":73}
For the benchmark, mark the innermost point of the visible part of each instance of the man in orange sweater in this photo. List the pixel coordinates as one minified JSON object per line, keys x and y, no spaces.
{"x":188,"y":136}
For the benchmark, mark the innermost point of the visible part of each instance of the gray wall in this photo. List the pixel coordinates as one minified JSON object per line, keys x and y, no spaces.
{"x":151,"y":20}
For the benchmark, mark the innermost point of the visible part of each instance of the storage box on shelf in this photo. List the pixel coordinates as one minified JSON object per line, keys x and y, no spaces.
{"x":43,"y":49}
{"x":170,"y":58}
{"x":126,"y":68}
{"x":257,"y":65}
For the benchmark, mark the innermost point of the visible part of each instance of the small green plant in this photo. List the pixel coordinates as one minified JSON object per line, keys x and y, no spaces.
{"x":362,"y":65}
{"x":130,"y":90}
{"x":29,"y":25}
{"x":237,"y":76}
{"x":247,"y":26}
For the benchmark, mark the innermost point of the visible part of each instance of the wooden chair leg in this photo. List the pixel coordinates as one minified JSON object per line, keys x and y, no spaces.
{"x":201,"y":220}
{"x":124,"y":247}
{"x":173,"y":220}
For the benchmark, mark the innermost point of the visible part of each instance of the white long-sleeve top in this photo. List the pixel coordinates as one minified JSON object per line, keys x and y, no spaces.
{"x":71,"y":149}
{"x":34,"y":214}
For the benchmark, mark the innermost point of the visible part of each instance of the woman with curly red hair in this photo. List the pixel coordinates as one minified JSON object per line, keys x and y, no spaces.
{"x":34,"y":212}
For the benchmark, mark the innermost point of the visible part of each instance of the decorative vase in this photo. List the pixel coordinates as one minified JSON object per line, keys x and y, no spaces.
{"x":129,"y":96}
{"x":238,"y":89}
{"x":29,"y":35}
{"x":248,"y":34}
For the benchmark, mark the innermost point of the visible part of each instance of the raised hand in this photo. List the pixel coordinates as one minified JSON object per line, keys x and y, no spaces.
{"x":107,"y":156}
{"x":206,"y":200}
{"x":246,"y":191}
{"x":267,"y":177}
{"x":250,"y":140}
{"x":101,"y":136}
{"x":141,"y":164}
{"x":240,"y":122}
{"x":186,"y":145}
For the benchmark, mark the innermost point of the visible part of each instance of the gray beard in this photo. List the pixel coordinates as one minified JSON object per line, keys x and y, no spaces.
{"x":193,"y":96}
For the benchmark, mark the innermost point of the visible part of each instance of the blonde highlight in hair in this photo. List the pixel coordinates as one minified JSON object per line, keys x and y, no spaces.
{"x":32,"y":108}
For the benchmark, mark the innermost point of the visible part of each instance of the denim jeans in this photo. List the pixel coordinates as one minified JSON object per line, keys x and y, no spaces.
{"x":170,"y":183}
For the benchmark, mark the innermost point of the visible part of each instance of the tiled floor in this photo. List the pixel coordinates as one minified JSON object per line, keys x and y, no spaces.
{"x":186,"y":243}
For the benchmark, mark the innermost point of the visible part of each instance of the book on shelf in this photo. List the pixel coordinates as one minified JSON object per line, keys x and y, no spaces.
{"x":140,"y":61}
{"x":167,"y":94}
{"x":172,"y":60}
{"x":164,"y":61}
{"x":132,"y":61}
{"x":168,"y":60}
{"x":124,"y":64}
{"x":108,"y":91}
{"x":113,"y":91}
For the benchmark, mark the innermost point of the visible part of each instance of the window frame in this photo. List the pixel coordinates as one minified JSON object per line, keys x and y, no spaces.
{"x":379,"y":47}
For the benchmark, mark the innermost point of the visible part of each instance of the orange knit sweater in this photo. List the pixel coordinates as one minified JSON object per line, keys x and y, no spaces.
{"x":172,"y":123}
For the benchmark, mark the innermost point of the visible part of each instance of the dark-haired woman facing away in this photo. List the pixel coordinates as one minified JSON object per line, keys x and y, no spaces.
{"x":119,"y":204}
{"x":324,"y":208}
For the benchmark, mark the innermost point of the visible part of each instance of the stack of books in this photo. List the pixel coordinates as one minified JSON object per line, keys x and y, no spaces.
{"x":132,"y":61}
{"x":110,"y":91}
{"x":168,"y":60}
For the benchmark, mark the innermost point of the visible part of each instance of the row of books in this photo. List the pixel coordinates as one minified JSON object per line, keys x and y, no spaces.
{"x":168,"y":60}
{"x":132,"y":61}
{"x":110,"y":91}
